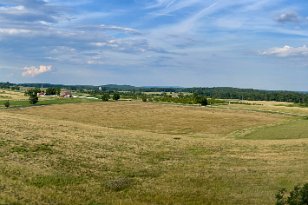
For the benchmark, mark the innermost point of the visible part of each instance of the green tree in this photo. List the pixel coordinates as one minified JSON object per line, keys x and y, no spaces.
{"x":144,"y":98}
{"x":32,"y":93}
{"x":33,"y":99}
{"x":202,"y":100}
{"x":53,"y":91}
{"x":116,"y":96}
{"x":105,"y":97}
{"x":7,"y":104}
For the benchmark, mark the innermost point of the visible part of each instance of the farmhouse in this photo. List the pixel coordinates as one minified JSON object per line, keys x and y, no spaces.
{"x":41,"y":94}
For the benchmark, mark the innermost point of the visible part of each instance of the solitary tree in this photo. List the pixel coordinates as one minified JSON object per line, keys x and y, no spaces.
{"x":33,"y":99}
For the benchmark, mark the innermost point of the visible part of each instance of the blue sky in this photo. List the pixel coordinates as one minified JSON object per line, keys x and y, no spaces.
{"x":241,"y":43}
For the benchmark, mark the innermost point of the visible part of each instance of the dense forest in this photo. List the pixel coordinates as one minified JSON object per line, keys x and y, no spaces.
{"x":216,"y":92}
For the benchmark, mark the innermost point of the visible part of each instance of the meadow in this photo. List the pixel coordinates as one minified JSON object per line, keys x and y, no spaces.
{"x":150,"y":153}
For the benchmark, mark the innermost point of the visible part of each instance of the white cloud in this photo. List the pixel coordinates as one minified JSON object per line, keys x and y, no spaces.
{"x":12,"y":10}
{"x":33,"y":71}
{"x":288,"y":17}
{"x":13,"y":31}
{"x":287,"y":51}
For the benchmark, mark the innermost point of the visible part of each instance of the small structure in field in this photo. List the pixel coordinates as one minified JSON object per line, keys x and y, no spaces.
{"x":41,"y":94}
{"x":66,"y":94}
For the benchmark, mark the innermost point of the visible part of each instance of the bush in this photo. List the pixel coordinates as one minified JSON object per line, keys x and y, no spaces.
{"x":7,"y":104}
{"x":116,"y":96}
{"x":105,"y":97}
{"x":33,"y":99}
{"x":144,"y":98}
{"x":202,"y":100}
{"x":298,"y":196}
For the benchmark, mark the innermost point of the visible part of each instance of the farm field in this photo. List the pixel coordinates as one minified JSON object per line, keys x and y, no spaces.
{"x":11,"y":95}
{"x":150,"y":153}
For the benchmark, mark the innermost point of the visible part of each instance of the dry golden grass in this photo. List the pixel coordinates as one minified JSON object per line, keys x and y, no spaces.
{"x":11,"y":95}
{"x":76,"y":154}
{"x":157,"y":118}
{"x":271,"y":107}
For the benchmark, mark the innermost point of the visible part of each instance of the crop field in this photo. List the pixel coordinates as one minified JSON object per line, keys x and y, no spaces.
{"x":137,"y":153}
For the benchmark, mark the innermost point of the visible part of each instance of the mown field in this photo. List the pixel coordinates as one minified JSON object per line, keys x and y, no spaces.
{"x":11,"y":95}
{"x":146,"y":153}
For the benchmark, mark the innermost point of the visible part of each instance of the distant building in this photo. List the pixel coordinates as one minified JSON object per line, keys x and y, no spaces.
{"x":100,"y":88}
{"x":41,"y":94}
{"x":66,"y":94}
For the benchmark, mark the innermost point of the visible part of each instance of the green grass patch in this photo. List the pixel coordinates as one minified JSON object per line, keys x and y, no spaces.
{"x":20,"y":149}
{"x":42,"y":148}
{"x":58,"y":180}
{"x":3,"y":143}
{"x":47,"y":148}
{"x":291,"y":130}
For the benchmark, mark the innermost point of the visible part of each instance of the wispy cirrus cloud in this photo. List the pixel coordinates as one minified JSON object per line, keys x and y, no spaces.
{"x":32,"y":71}
{"x":167,"y":7}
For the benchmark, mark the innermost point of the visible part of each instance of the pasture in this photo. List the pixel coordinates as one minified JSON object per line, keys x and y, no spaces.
{"x":149,"y":153}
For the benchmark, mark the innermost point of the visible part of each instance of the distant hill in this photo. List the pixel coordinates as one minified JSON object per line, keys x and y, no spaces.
{"x":118,"y":87}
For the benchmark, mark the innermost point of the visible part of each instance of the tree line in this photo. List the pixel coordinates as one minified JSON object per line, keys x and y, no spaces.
{"x":216,"y":92}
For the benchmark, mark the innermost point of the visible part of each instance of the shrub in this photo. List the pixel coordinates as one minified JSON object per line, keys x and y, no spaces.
{"x":105,"y":97}
{"x":7,"y":104}
{"x":200,"y":99}
{"x":298,"y":196}
{"x":144,"y":98}
{"x":33,"y":99}
{"x":116,"y":96}
{"x":203,"y":101}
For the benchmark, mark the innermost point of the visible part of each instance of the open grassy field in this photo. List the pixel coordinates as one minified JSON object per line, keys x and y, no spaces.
{"x":11,"y":95}
{"x":43,"y":101}
{"x":18,"y":99}
{"x":143,"y":153}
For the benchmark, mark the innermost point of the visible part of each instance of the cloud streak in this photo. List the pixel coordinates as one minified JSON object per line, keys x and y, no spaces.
{"x":287,"y":51}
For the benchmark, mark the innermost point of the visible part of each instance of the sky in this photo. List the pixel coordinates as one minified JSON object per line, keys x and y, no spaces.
{"x":260,"y":44}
